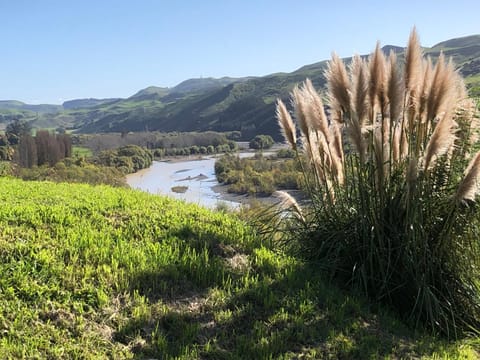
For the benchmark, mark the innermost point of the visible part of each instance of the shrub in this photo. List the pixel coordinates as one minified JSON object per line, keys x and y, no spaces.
{"x":261,"y":142}
{"x":391,"y":210}
{"x":285,"y":154}
{"x":127,"y":159}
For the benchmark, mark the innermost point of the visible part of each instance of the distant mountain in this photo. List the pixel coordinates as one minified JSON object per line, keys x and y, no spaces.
{"x":225,"y":104}
{"x":150,"y":93}
{"x":459,"y":43}
{"x":204,"y":84}
{"x":86,"y":103}
{"x":18,"y":105}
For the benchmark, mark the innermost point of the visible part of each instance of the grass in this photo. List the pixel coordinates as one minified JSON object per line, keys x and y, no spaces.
{"x":81,"y":151}
{"x":97,"y":272}
{"x":390,"y":177}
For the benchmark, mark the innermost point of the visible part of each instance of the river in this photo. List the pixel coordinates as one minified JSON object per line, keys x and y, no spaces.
{"x":197,"y":175}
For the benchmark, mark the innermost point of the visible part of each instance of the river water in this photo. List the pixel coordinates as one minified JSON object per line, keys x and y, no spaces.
{"x":197,"y":175}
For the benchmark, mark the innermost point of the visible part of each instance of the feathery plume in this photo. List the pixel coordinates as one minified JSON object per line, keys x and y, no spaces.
{"x":287,"y":202}
{"x":437,"y":92}
{"x":441,"y":140}
{"x":394,"y":88}
{"x":404,"y":148}
{"x":316,"y":112}
{"x":425,"y":88}
{"x":413,"y":62}
{"x":359,"y":79}
{"x":397,"y":134}
{"x":355,"y":131}
{"x":338,"y":158}
{"x":286,"y":124}
{"x":376,"y":91}
{"x":468,"y":187}
{"x":413,"y":73}
{"x":338,"y":84}
{"x":300,"y":105}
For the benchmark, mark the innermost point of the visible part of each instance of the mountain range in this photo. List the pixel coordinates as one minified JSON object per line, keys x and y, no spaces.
{"x":226,"y":104}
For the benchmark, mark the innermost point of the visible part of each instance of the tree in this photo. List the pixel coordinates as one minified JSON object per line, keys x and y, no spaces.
{"x":16,"y":129}
{"x":27,"y":151}
{"x":261,"y":142}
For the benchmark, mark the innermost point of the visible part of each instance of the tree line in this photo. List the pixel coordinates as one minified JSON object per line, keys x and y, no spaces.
{"x":44,"y":148}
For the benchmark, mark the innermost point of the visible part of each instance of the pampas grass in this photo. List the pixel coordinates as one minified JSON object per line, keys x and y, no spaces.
{"x":384,"y":175}
{"x":469,"y":186}
{"x":287,"y":202}
{"x":286,"y":124}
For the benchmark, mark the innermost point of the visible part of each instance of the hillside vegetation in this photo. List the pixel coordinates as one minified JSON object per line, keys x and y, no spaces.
{"x":225,"y":104}
{"x":98,"y":272}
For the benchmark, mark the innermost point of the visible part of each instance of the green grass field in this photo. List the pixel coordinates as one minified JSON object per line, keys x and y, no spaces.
{"x":97,"y":272}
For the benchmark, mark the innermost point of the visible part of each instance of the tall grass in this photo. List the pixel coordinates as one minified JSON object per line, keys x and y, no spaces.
{"x":392,"y":211}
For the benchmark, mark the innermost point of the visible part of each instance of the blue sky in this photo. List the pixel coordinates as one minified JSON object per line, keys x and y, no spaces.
{"x":55,"y":50}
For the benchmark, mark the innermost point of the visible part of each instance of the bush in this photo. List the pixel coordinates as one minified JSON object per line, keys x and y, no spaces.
{"x":391,"y":214}
{"x":261,"y":142}
{"x":285,"y":154}
{"x":257,"y":176}
{"x":127,"y":159}
{"x":68,"y":171}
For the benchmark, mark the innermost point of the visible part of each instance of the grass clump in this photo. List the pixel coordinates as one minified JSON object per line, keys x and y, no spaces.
{"x":392,"y":209}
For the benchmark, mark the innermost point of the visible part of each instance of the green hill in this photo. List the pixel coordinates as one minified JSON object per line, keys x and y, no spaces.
{"x":86,"y":103}
{"x":97,"y":272}
{"x":225,"y":104}
{"x":248,"y":105}
{"x":18,"y":105}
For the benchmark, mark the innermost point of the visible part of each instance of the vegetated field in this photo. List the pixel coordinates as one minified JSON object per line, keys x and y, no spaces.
{"x":81,"y":151}
{"x":98,"y":272}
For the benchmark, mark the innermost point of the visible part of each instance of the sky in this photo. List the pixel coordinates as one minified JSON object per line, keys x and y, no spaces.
{"x":58,"y":50}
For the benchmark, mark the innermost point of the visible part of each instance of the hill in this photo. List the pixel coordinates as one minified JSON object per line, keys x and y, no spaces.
{"x":18,"y":105}
{"x":226,"y":104}
{"x":86,"y":103}
{"x":97,"y":272}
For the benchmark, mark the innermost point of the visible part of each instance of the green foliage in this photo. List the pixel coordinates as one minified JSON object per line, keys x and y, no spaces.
{"x":16,"y":129}
{"x":261,"y":142}
{"x":257,"y":176}
{"x":96,"y":272}
{"x":6,"y":153}
{"x":128,"y":159}
{"x":80,"y":151}
{"x":75,"y":171}
{"x":286,"y":154}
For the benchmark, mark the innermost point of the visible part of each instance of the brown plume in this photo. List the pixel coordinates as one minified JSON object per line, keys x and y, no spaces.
{"x":286,"y":124}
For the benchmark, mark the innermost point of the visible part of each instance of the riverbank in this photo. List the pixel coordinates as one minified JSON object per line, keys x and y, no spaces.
{"x":196,"y":175}
{"x":243,"y":199}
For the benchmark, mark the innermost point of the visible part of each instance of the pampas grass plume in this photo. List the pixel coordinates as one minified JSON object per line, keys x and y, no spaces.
{"x":287,"y":202}
{"x":441,"y":140}
{"x":286,"y":124}
{"x":338,"y":83}
{"x":468,"y":188}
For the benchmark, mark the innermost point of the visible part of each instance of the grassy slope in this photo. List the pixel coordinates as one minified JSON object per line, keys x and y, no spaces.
{"x":97,"y":272}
